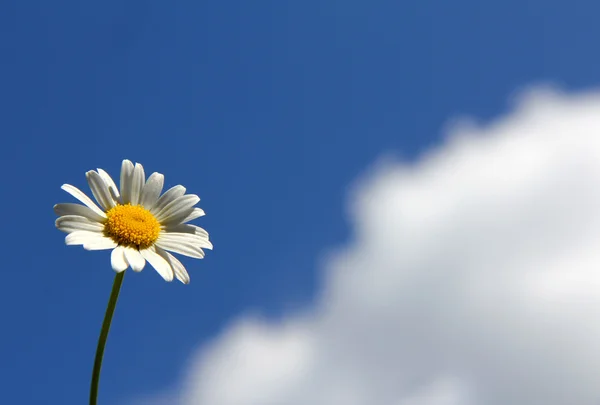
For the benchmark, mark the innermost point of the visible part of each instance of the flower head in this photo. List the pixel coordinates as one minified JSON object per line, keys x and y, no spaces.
{"x":136,"y":221}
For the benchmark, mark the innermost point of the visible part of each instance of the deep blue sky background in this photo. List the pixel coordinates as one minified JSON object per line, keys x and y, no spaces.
{"x":266,"y":109}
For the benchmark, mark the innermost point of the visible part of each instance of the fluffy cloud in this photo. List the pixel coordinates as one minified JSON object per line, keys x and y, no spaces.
{"x":472,"y":278}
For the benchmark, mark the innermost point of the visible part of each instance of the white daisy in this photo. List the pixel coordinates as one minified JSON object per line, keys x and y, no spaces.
{"x":137,"y":223}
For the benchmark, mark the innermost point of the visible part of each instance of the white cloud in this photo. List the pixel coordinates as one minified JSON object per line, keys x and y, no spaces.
{"x":472,"y":278}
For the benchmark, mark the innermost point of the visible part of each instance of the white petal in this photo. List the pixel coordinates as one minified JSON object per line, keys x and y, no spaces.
{"x":179,"y":228}
{"x":117,"y":259}
{"x":152,"y":190}
{"x":196,"y":213}
{"x":75,"y":192}
{"x":176,"y":217}
{"x":178,"y":268}
{"x":112,"y":187}
{"x":77,"y":209}
{"x":189,"y":238}
{"x":159,"y":263}
{"x":185,"y":228}
{"x":72,"y":223}
{"x":170,"y":195}
{"x":126,"y":178}
{"x":201,"y":232}
{"x":177,"y":246}
{"x":137,"y":183}
{"x":83,"y":237}
{"x":100,"y":244}
{"x":134,"y":258}
{"x":100,"y":190}
{"x":178,"y":209}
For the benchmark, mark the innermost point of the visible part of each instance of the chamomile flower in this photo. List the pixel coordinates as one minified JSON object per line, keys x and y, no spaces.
{"x":136,"y":221}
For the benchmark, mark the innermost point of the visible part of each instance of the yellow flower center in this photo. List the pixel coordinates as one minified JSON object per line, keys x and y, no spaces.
{"x":132,"y":225}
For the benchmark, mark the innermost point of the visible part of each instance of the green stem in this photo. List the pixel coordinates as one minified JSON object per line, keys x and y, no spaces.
{"x":110,"y":310}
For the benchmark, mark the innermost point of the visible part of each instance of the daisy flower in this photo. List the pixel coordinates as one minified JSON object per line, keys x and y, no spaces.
{"x":136,"y":221}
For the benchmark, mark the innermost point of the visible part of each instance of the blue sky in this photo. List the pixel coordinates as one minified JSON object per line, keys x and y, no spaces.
{"x":268,"y":111}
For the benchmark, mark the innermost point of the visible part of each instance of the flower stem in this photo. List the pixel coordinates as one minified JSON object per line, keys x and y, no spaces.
{"x":110,"y":310}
